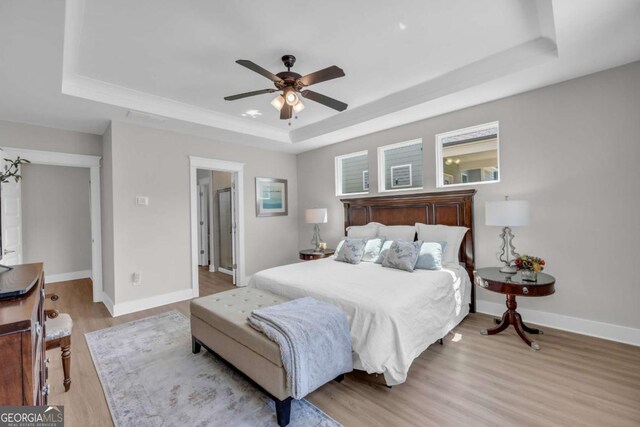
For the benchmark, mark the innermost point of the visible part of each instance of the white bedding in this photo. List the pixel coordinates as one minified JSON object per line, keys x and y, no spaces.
{"x":394,"y":315}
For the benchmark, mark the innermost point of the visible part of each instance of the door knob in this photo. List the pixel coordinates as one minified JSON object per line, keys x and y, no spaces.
{"x":7,"y":251}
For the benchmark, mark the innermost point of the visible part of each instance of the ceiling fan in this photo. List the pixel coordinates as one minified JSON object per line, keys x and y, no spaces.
{"x":291,"y":84}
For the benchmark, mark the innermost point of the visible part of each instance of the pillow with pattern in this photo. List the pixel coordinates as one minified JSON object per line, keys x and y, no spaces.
{"x":372,"y":249}
{"x":402,"y":255}
{"x":351,"y":251}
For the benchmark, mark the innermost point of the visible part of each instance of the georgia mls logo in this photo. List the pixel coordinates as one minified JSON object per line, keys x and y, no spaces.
{"x":31,"y":416}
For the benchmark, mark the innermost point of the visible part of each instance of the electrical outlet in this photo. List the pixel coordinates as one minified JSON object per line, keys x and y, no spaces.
{"x":135,"y":279}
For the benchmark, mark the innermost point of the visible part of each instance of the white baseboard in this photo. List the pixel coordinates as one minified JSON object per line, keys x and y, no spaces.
{"x":143,"y":304}
{"x":63,"y":277}
{"x":592,"y":328}
{"x":225,"y":271}
{"x":212,"y":268}
{"x":108,"y":302}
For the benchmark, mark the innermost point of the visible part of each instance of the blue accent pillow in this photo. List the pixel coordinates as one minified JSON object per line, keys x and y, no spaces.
{"x":351,"y":251}
{"x":383,"y":251}
{"x":402,"y":255}
{"x":430,"y":256}
{"x":372,"y":249}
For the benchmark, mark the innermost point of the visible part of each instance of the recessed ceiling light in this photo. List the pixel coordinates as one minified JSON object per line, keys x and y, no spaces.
{"x":402,"y":26}
{"x":252,"y":113}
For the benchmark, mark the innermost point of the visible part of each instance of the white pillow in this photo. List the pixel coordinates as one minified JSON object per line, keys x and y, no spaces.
{"x":397,"y":232}
{"x":368,"y":231}
{"x":443,"y":233}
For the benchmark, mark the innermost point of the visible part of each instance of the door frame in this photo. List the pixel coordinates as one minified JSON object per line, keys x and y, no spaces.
{"x":196,"y":163}
{"x":52,"y":158}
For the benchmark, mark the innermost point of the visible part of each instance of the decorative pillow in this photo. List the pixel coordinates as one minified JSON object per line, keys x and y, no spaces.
{"x":443,"y":233}
{"x":402,"y":255}
{"x":368,"y":231}
{"x":340,"y":243}
{"x":372,"y":249}
{"x":430,"y":256}
{"x":406,"y":233}
{"x":351,"y":251}
{"x":383,"y":251}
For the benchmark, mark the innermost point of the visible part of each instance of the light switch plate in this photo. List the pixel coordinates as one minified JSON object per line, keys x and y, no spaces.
{"x":142,"y":201}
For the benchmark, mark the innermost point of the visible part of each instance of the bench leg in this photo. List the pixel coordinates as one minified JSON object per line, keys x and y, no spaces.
{"x":195,"y":345}
{"x":283,"y":411}
{"x":65,"y":346}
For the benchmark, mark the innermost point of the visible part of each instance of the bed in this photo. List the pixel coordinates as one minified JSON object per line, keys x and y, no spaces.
{"x":394,"y":315}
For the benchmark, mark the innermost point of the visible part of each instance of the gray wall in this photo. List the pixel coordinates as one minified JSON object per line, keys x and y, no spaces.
{"x":32,"y":137}
{"x":570,"y":149}
{"x":156,"y":240}
{"x":106,"y":216}
{"x":56,"y":218}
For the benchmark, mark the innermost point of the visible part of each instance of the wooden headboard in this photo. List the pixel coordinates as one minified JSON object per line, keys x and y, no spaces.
{"x":445,"y":207}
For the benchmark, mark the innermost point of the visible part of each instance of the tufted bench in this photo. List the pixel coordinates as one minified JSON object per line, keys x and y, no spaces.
{"x":219,"y":322}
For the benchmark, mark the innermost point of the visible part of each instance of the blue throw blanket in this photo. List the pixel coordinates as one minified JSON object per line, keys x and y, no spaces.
{"x":314,"y":341}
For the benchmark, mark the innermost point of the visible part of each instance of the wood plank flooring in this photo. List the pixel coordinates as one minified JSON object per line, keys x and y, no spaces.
{"x":472,"y":380}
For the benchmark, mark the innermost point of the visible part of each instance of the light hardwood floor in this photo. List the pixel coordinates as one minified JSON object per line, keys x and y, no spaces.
{"x":472,"y":380}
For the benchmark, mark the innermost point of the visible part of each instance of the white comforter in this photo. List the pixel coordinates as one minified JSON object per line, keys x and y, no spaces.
{"x":394,"y":315}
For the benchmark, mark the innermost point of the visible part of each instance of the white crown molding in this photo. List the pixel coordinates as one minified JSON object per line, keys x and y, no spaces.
{"x":592,"y":328}
{"x":381,"y":114}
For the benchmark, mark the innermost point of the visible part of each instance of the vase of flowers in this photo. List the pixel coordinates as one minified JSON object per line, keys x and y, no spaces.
{"x":529,"y":267}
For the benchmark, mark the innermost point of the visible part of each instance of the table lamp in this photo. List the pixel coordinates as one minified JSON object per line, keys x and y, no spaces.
{"x":315,"y":217}
{"x":507,"y":213}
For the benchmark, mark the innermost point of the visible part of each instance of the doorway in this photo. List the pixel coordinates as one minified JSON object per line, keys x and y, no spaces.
{"x":217,"y":220}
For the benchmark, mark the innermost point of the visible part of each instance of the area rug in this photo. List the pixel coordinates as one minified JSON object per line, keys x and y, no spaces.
{"x":151,"y":378}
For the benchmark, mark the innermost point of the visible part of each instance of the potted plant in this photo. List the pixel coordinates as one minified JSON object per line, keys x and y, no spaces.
{"x":529,"y":266}
{"x":12,"y":169}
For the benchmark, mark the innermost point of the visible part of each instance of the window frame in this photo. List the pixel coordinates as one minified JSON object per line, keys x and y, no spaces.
{"x":439,"y":159}
{"x":382,"y":166}
{"x":338,"y":173}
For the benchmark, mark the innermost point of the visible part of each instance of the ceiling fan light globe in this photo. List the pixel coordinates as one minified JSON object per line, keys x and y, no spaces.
{"x":291,"y":98}
{"x":299,"y":106}
{"x":278,"y":102}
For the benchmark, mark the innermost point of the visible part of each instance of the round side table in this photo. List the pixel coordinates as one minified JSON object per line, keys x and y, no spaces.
{"x":512,"y":285}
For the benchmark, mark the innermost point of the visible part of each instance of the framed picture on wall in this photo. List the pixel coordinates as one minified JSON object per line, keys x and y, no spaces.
{"x":271,"y":197}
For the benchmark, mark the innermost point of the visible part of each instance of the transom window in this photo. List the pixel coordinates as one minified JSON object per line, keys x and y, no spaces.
{"x":352,"y":173}
{"x":468,"y":156}
{"x":400,"y":166}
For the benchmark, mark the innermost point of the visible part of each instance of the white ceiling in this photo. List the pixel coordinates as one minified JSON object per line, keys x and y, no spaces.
{"x":80,"y":67}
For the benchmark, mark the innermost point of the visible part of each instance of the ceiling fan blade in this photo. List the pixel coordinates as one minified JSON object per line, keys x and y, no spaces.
{"x":258,"y":69}
{"x":328,"y":73}
{"x":247,"y":94}
{"x":324,"y":100}
{"x":286,"y":111}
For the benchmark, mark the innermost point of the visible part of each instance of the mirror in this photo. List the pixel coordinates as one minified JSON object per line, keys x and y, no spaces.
{"x":468,"y":156}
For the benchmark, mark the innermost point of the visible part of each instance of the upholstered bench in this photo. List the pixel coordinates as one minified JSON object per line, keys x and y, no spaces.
{"x":219,"y":322}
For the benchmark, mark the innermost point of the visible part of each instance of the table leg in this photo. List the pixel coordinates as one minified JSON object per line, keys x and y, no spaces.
{"x":512,"y":317}
{"x":503,"y":324}
{"x":519,"y":327}
{"x":531,"y":330}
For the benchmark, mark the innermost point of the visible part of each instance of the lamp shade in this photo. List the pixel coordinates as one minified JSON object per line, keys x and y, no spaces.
{"x":315,"y":216}
{"x":507,"y":213}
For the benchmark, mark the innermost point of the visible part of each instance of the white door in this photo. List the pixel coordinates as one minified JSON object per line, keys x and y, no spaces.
{"x":234,"y":226}
{"x":11,"y":211}
{"x":203,"y":225}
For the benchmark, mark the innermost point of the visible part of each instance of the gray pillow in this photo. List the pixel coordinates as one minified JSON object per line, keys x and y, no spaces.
{"x":372,"y":249}
{"x":402,"y":255}
{"x":430,"y":256}
{"x":351,"y":251}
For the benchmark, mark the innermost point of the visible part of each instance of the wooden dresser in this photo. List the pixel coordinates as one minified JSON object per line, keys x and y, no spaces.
{"x":23,"y":372}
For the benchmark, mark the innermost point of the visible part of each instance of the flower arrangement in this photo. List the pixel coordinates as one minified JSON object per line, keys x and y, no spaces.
{"x":531,"y":263}
{"x":12,"y":170}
